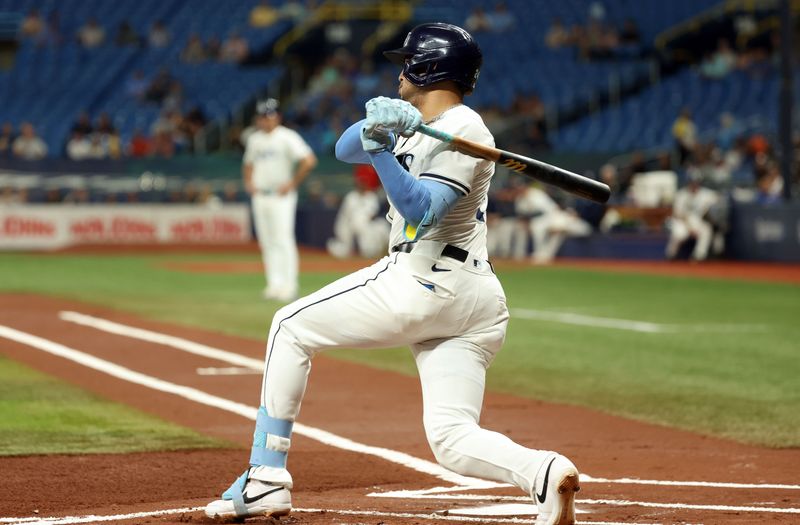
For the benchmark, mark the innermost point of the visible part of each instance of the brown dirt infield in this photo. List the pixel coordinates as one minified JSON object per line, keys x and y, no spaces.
{"x":368,"y":406}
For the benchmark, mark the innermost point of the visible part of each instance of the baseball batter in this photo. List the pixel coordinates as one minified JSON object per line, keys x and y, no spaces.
{"x":435,"y":292}
{"x":276,"y":161}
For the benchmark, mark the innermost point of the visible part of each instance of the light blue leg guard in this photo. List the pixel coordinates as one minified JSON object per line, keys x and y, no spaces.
{"x":260,"y":455}
{"x":280,"y":430}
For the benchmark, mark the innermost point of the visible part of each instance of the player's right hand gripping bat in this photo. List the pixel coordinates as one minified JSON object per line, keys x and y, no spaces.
{"x":541,"y":171}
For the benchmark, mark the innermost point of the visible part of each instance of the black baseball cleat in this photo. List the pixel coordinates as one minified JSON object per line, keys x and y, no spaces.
{"x":554,"y":491}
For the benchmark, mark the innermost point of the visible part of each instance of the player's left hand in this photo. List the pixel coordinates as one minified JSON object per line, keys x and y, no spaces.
{"x":392,"y":114}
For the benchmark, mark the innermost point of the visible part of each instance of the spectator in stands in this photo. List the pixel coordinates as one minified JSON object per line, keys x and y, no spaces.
{"x":597,"y":11}
{"x":91,"y":34}
{"x":159,"y":36}
{"x":689,"y":219}
{"x":10,"y":196}
{"x":28,"y":146}
{"x":720,"y":63}
{"x":194,"y":51}
{"x":630,"y":35}
{"x":52,"y":196}
{"x":295,"y":10}
{"x":550,"y":224}
{"x":33,"y":25}
{"x":231,"y":192}
{"x":234,"y":48}
{"x":769,"y":184}
{"x":83,"y":124}
{"x":139,"y":146}
{"x":477,"y":21}
{"x":684,"y":132}
{"x":104,"y":124}
{"x":159,"y":87}
{"x":263,"y":15}
{"x":728,"y":132}
{"x":194,"y":121}
{"x":166,"y":133}
{"x":7,"y":137}
{"x":557,"y":36}
{"x":207,"y":197}
{"x":78,"y":195}
{"x":126,"y":35}
{"x":78,"y":146}
{"x":500,"y":19}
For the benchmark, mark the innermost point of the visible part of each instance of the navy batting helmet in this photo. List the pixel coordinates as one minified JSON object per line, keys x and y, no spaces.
{"x":435,"y":52}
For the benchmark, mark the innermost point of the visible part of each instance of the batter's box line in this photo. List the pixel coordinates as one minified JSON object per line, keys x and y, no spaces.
{"x":585,"y":478}
{"x":612,"y":502}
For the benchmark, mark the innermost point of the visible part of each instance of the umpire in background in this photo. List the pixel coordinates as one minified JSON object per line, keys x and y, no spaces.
{"x":276,"y":161}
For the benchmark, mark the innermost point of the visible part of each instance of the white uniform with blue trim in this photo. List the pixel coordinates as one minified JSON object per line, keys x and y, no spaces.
{"x":274,"y":156}
{"x":441,"y":299}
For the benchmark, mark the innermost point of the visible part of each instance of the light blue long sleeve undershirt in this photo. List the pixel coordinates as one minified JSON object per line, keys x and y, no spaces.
{"x":421,"y":202}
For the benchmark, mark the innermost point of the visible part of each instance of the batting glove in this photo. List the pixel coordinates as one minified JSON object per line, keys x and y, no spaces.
{"x":392,"y":115}
{"x":375,"y":140}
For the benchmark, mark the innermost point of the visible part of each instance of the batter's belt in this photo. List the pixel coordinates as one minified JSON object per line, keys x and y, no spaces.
{"x":435,"y":249}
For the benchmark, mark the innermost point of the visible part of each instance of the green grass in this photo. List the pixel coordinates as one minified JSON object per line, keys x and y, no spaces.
{"x":730,"y":371}
{"x":41,"y":415}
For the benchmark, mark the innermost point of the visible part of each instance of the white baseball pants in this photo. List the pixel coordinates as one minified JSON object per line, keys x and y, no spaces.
{"x":691,"y":226}
{"x":551,"y":229}
{"x":274,"y":219}
{"x":452,"y":314}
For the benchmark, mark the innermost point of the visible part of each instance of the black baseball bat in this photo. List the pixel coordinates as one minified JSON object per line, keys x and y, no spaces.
{"x":541,"y":171}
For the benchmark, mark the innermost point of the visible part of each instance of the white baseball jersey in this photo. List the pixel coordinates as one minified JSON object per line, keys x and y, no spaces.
{"x":273,"y":156}
{"x":428,"y":158}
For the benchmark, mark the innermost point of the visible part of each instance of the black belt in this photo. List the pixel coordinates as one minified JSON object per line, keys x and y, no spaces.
{"x":449,"y":250}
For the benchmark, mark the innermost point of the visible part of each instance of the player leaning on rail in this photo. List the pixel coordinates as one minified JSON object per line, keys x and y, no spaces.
{"x":435,"y":292}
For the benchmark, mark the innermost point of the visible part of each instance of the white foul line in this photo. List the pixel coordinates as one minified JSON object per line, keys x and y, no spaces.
{"x":712,"y":484}
{"x":198,"y":396}
{"x":618,"y":503}
{"x":627,"y":324}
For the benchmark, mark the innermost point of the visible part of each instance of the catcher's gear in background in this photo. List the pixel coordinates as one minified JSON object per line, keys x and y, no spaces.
{"x":436,"y":52}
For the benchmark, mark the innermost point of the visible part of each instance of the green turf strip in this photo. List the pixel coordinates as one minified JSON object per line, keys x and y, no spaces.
{"x":732,"y":372}
{"x":42,"y":415}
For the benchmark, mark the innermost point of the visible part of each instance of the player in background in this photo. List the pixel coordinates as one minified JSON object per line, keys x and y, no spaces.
{"x":276,"y":161}
{"x":435,"y":292}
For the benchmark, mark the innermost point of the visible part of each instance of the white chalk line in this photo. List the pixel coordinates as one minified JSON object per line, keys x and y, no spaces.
{"x":494,"y":498}
{"x":162,"y":339}
{"x":70,"y":520}
{"x":198,"y":396}
{"x":705,"y":484}
{"x":228,"y":371}
{"x":233,"y":358}
{"x":626,"y":324}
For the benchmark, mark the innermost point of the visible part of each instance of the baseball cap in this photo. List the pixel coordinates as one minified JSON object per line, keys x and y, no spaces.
{"x":267,"y":107}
